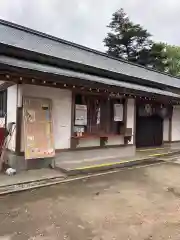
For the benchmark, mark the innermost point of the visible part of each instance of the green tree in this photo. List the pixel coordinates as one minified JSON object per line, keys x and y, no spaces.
{"x":132,"y":42}
{"x":173,"y":60}
{"x":156,"y":57}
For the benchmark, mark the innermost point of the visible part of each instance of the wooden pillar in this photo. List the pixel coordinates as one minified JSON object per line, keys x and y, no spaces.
{"x":19,"y":119}
{"x":135,"y":112}
{"x":125,"y":116}
{"x":73,"y":141}
{"x":170,"y":126}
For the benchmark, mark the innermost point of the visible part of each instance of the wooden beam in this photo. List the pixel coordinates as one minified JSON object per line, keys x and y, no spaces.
{"x":37,"y":78}
{"x":19,"y":123}
{"x":134,"y":135}
{"x":170,"y":127}
{"x":72,"y":141}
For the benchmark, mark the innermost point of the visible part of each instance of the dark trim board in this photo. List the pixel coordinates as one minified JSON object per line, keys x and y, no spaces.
{"x":72,"y":119}
{"x":170,"y":128}
{"x":83,"y":79}
{"x":135,"y":115}
{"x":25,"y":77}
{"x":125,"y":115}
{"x":18,"y":129}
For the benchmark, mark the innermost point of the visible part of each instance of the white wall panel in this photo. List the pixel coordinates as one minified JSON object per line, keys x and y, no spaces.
{"x":62,"y":100}
{"x":176,"y":124}
{"x":11,"y":112}
{"x":130,"y":117}
{"x":166,"y":129}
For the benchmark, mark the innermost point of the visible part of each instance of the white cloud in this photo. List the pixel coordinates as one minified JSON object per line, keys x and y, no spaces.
{"x":84,"y":21}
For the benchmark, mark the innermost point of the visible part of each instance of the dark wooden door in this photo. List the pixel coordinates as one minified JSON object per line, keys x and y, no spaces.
{"x":149,"y":131}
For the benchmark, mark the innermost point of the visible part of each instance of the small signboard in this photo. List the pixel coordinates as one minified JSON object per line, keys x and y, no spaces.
{"x":118,"y":112}
{"x":81,"y":115}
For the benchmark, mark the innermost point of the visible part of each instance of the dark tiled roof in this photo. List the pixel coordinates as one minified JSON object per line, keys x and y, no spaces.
{"x":24,"y":38}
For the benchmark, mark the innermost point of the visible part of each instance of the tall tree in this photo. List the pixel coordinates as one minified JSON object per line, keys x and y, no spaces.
{"x":173,"y":60}
{"x":132,"y":42}
{"x":155,"y":57}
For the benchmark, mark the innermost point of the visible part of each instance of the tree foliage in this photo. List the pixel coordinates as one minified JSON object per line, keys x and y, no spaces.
{"x":173,"y":60}
{"x":157,"y":57}
{"x":132,"y":42}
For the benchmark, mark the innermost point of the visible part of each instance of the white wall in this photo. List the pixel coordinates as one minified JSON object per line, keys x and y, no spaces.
{"x":11,"y":112}
{"x":176,"y":124}
{"x":62,"y":101}
{"x":166,"y":129}
{"x":130,"y":117}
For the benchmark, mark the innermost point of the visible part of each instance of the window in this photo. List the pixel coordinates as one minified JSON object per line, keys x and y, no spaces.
{"x":96,"y":115}
{"x":87,"y":114}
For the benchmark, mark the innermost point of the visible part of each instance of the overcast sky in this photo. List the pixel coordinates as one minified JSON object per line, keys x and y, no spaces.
{"x":84,"y":21}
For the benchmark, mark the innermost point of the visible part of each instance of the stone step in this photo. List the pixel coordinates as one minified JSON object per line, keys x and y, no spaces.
{"x":107,"y":166}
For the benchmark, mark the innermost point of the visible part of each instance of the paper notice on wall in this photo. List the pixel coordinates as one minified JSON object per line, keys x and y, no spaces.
{"x":81,"y":115}
{"x":78,"y":129}
{"x":98,"y":116}
{"x":118,"y":112}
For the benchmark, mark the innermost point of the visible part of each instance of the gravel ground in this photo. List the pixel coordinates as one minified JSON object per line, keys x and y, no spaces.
{"x":137,"y":204}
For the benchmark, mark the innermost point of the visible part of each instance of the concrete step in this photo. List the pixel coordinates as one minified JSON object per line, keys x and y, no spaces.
{"x":98,"y":166}
{"x":107,"y":166}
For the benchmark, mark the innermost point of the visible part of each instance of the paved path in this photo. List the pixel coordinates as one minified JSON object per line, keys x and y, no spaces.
{"x":30,"y":176}
{"x":43,"y":177}
{"x":137,"y":204}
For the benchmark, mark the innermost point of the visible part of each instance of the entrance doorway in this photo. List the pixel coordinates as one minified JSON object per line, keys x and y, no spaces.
{"x":149,"y":131}
{"x":149,"y":124}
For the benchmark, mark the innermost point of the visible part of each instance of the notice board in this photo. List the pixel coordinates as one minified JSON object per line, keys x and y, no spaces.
{"x":38,"y":128}
{"x":118,"y":112}
{"x":81,"y":115}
